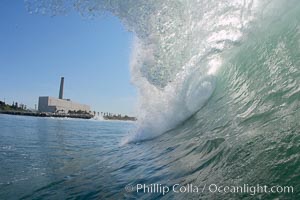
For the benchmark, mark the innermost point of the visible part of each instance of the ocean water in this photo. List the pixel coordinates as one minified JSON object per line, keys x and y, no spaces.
{"x":219,"y":91}
{"x":44,"y":158}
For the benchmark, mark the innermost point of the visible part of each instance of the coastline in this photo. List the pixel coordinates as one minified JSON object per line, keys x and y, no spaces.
{"x":119,"y":118}
{"x":42,"y":114}
{"x":65,"y":115}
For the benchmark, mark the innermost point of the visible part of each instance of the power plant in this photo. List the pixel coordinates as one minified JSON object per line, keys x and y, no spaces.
{"x":54,"y":105}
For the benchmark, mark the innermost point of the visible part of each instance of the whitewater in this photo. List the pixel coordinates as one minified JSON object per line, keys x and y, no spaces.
{"x":218,"y":91}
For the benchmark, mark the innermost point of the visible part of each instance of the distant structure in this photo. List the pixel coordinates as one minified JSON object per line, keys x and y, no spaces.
{"x":61,"y":89}
{"x":52,"y":105}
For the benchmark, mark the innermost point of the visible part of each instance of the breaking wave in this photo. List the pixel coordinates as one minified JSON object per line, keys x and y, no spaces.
{"x":180,"y":47}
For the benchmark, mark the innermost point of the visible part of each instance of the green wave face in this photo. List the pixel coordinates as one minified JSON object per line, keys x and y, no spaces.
{"x":251,"y":123}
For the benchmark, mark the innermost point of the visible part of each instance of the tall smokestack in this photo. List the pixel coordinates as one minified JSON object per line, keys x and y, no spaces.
{"x":61,"y":90}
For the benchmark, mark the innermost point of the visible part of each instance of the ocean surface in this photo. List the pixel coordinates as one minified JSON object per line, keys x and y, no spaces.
{"x":218,"y":105}
{"x":44,"y":158}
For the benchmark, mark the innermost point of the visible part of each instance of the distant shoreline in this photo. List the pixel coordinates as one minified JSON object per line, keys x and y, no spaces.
{"x":40,"y":114}
{"x":16,"y":109}
{"x":65,"y":115}
{"x":122,"y":118}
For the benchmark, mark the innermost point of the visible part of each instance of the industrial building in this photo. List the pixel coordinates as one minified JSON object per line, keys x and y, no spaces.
{"x":51,"y":104}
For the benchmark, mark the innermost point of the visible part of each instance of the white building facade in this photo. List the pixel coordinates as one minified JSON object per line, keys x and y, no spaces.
{"x":51,"y":104}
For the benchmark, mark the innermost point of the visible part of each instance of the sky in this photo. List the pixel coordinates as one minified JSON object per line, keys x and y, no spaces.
{"x":92,"y":54}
